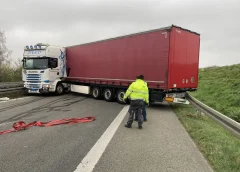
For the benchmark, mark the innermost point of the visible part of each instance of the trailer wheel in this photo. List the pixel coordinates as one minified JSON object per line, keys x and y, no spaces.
{"x":96,"y":93}
{"x":59,"y":89}
{"x":120,"y":95}
{"x":108,"y":94}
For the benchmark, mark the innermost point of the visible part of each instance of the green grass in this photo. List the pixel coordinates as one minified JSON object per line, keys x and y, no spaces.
{"x":219,"y":88}
{"x":221,"y":149}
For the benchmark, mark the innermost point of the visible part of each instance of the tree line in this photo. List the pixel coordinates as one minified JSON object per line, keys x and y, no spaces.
{"x":10,"y":70}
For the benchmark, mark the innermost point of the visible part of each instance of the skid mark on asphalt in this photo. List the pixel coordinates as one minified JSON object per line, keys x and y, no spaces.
{"x":20,"y":104}
{"x":46,"y":107}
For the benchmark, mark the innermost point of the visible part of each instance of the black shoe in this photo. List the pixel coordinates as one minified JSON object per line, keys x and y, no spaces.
{"x":128,"y":126}
{"x":140,"y":127}
{"x":145,"y":120}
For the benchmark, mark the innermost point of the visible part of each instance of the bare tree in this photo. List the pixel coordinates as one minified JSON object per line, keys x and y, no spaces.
{"x":4,"y":53}
{"x":18,"y":63}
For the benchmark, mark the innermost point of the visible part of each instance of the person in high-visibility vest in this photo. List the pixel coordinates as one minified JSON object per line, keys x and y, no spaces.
{"x":144,"y":113}
{"x":139,"y":96}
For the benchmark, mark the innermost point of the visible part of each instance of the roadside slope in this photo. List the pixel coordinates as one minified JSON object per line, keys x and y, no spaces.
{"x":219,"y":88}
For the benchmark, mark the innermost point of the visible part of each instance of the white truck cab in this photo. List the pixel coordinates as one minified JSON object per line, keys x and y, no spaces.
{"x":43,"y":67}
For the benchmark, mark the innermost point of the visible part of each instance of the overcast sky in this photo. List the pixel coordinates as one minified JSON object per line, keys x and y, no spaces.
{"x":70,"y":22}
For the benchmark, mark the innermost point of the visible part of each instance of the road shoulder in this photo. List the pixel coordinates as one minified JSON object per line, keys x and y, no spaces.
{"x":162,"y":145}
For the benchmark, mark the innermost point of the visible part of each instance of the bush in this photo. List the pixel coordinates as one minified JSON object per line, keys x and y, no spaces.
{"x":9,"y":73}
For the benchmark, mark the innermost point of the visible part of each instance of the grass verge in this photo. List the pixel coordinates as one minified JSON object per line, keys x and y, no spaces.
{"x":221,"y":149}
{"x":219,"y":88}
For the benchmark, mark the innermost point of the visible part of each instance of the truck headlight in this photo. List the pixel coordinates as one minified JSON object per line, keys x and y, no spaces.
{"x":45,"y":85}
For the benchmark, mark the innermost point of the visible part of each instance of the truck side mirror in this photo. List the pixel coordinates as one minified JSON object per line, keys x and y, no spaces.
{"x":23,"y":61}
{"x":53,"y":64}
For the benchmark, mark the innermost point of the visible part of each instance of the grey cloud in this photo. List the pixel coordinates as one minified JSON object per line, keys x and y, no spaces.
{"x":74,"y":22}
{"x":46,"y":13}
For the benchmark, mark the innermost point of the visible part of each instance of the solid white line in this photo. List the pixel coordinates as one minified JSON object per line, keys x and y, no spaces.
{"x":91,"y":159}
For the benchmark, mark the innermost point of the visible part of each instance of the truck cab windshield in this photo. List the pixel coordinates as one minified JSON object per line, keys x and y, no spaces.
{"x":40,"y":63}
{"x":35,"y":63}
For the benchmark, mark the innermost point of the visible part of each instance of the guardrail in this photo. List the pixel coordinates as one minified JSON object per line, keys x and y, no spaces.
{"x":11,"y":89}
{"x":5,"y":85}
{"x":226,"y":122}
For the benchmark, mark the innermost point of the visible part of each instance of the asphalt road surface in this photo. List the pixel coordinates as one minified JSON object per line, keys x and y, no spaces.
{"x":103,"y":145}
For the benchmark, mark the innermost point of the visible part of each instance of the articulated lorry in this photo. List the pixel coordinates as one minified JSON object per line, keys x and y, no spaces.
{"x":167,"y":57}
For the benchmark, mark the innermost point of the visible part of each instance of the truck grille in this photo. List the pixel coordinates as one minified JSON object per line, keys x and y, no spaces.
{"x":33,"y":77}
{"x":33,"y":85}
{"x":33,"y":81}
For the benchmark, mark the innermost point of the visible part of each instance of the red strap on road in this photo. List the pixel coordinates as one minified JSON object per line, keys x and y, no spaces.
{"x":21,"y":125}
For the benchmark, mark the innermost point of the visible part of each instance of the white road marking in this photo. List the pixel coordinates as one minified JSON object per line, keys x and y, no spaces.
{"x":91,"y":159}
{"x":4,"y":124}
{"x":4,"y":99}
{"x":14,"y":99}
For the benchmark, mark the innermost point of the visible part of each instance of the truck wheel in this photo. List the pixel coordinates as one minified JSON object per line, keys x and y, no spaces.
{"x":96,"y":93}
{"x":120,"y":95}
{"x":108,"y":94}
{"x":59,"y":89}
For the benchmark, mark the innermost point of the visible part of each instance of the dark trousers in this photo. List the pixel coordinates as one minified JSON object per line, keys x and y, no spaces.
{"x":136,"y":107}
{"x":144,"y":113}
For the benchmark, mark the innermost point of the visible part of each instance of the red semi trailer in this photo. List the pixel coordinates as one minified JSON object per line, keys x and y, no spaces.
{"x":167,"y":57}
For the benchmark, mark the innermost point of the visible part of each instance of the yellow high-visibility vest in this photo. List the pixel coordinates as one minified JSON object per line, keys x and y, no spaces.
{"x":138,"y":90}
